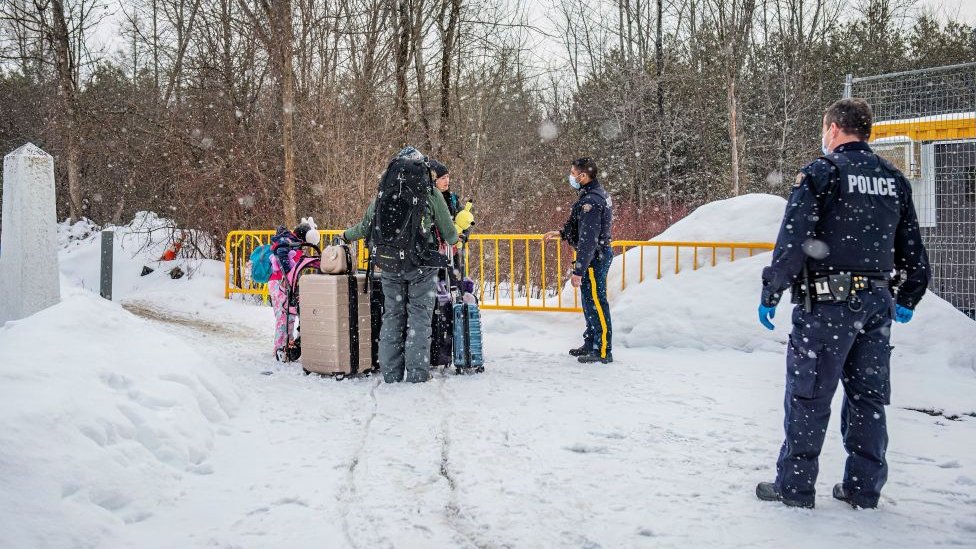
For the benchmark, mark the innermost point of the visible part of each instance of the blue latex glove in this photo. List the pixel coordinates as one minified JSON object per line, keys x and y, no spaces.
{"x":765,"y":314}
{"x":903,"y":314}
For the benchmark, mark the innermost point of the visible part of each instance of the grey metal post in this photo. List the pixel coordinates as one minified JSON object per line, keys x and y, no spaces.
{"x":108,"y":238}
{"x":848,"y":84}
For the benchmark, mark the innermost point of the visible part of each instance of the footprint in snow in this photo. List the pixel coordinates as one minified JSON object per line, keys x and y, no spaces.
{"x":587,"y":449}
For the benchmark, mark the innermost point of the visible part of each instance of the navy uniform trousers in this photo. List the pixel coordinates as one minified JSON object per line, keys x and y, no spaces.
{"x":598,"y":335}
{"x":833,"y":343}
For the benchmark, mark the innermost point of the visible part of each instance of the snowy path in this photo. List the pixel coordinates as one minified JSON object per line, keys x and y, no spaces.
{"x":661,"y":449}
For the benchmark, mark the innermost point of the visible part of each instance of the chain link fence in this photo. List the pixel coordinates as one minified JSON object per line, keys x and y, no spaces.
{"x":925,"y":123}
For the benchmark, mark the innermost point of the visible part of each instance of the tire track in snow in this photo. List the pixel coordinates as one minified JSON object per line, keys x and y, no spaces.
{"x":452,"y":510}
{"x":347,"y":493}
{"x":151,"y":311}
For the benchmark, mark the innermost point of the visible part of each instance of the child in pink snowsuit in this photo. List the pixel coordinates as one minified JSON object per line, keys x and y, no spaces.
{"x":287,"y":252}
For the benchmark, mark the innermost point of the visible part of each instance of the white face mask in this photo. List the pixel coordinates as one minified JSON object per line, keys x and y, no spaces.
{"x":573,"y":182}
{"x":823,"y":144}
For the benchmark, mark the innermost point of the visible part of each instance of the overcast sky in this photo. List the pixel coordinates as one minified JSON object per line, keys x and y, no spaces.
{"x":966,"y":9}
{"x":548,"y":50}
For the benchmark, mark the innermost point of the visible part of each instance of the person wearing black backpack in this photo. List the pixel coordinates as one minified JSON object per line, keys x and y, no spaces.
{"x":398,"y":227}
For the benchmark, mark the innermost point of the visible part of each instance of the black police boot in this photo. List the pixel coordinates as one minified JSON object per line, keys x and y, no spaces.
{"x":767,"y":491}
{"x":580,"y":351}
{"x":591,"y":358}
{"x":841,"y":494}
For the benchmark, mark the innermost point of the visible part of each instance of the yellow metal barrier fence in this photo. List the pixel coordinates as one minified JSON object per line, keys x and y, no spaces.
{"x":237,"y":257}
{"x":521,"y":271}
{"x":537,"y":271}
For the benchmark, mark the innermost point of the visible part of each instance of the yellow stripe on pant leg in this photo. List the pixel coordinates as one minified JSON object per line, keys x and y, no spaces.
{"x":599,"y":312}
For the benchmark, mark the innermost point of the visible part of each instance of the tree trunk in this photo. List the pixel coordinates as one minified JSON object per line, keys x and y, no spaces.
{"x":155,"y":45}
{"x":418,"y":62}
{"x":67,"y":92}
{"x":287,"y":137}
{"x":447,"y":51}
{"x":285,"y":45}
{"x":659,"y":72}
{"x":734,"y":134}
{"x":402,"y":58}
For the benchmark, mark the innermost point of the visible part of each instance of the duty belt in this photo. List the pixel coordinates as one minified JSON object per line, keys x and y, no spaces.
{"x":843,"y":288}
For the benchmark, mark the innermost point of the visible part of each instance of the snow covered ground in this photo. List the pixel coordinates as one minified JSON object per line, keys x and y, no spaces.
{"x":152,"y":422}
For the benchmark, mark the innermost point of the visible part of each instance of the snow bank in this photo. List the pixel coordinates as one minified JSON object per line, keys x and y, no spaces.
{"x":749,"y":218}
{"x":199,"y":295}
{"x":70,"y":233}
{"x":101,"y":416}
{"x":137,"y":244}
{"x":715,"y":308}
{"x":746,"y":218}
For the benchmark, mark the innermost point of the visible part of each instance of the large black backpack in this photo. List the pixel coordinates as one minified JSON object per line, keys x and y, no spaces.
{"x":397,"y":238}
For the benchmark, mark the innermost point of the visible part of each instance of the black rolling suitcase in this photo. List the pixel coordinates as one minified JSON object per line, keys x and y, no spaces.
{"x":376,"y":308}
{"x":468,"y":347}
{"x":442,"y":327}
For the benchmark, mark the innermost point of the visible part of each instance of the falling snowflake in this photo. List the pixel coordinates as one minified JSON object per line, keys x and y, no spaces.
{"x":548,"y":130}
{"x":817,"y":249}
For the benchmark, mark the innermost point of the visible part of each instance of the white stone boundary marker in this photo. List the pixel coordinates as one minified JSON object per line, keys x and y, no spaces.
{"x":29,"y":279}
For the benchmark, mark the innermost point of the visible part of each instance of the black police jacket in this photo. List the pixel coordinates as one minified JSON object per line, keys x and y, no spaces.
{"x":849,"y":211}
{"x":589,"y":224}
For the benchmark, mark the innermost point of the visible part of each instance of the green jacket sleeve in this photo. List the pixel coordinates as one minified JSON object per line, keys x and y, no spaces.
{"x":358,"y":231}
{"x":442,"y":216}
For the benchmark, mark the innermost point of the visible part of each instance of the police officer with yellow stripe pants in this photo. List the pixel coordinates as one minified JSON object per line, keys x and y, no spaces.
{"x":588,"y":232}
{"x":849,"y":224}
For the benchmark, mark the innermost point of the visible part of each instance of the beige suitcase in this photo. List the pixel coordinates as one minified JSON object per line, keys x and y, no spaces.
{"x":336,"y":339}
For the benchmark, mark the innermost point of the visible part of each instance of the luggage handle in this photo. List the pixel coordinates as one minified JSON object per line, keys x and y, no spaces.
{"x":464,"y":274}
{"x":353,"y":324}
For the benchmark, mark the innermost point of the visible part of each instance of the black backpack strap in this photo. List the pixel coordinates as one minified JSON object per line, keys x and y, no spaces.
{"x":345,"y":250}
{"x":370,"y":273}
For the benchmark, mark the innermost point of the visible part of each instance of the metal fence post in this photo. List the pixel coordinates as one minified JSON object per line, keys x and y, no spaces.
{"x":108,"y":239}
{"x":848,"y":83}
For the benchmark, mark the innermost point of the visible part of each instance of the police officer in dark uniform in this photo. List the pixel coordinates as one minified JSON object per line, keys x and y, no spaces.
{"x":588,"y":232}
{"x":850,"y":224}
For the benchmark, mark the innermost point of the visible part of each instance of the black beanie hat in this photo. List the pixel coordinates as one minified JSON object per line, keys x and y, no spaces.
{"x":440,"y":170}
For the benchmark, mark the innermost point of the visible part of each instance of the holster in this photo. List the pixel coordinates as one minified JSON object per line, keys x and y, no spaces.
{"x":835,"y":288}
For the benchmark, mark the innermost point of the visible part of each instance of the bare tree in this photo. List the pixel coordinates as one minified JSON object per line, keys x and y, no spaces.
{"x":64,"y":27}
{"x":402,"y":40}
{"x":272,"y":21}
{"x":732,"y":24}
